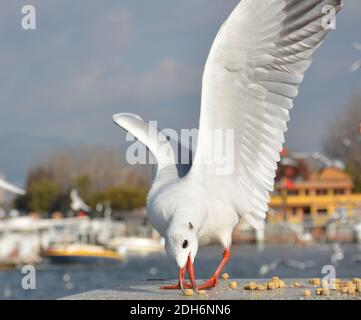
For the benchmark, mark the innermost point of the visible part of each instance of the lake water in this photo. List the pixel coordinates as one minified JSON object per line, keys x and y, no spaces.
{"x":55,"y":281}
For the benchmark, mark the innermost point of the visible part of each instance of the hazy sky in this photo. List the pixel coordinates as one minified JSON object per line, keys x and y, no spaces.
{"x":90,"y":59}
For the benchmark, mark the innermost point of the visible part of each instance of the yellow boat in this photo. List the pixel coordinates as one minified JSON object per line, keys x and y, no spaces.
{"x":81,"y":254}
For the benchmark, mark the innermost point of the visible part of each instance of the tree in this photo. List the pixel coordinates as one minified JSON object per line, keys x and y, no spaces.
{"x":98,"y":173}
{"x":84,"y":185}
{"x":42,"y":195}
{"x":121,"y":198}
{"x":343,"y":141}
{"x":97,"y":167}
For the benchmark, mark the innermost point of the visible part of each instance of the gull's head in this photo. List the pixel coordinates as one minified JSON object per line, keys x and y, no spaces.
{"x":181,"y":242}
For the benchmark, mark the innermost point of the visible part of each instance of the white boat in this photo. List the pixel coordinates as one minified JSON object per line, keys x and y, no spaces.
{"x":137,"y":246}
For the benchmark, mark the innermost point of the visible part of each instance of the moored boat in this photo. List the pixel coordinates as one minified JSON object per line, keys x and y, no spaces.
{"x":81,"y":254}
{"x":136,"y":246}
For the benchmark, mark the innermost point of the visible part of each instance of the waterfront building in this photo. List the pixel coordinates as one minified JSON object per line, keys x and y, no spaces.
{"x":312,"y":189}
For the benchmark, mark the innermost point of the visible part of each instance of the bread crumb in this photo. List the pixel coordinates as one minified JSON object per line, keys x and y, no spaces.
{"x":225,"y":276}
{"x":251,"y":286}
{"x":261,"y":287}
{"x":315,"y":281}
{"x":344,"y":290}
{"x":297,"y":285}
{"x":319,"y":291}
{"x":202,"y":292}
{"x":188,"y":292}
{"x":307,"y":293}
{"x":358,"y":287}
{"x":271,"y":286}
{"x":351,"y":291}
{"x":325,"y":292}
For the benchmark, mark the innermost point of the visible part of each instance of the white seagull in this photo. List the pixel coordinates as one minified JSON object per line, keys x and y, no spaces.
{"x":251,"y":77}
{"x":11,"y":188}
{"x":77,"y":203}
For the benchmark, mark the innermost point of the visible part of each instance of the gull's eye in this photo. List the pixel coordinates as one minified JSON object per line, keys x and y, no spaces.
{"x":185,"y":244}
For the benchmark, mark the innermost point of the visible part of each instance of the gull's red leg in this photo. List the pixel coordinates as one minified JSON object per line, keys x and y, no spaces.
{"x":181,"y":282}
{"x":191,"y":272}
{"x":213,"y":281}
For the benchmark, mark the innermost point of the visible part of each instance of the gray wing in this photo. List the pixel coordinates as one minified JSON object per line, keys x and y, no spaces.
{"x":252,"y":76}
{"x":166,"y":151}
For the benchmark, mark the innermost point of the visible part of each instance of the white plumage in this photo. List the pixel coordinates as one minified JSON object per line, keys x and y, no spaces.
{"x":251,"y":77}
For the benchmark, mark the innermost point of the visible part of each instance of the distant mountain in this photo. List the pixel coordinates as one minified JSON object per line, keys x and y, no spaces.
{"x":19,"y":151}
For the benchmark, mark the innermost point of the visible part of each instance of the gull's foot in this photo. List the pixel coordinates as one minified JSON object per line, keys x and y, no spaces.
{"x":177,"y":286}
{"x":209,"y":284}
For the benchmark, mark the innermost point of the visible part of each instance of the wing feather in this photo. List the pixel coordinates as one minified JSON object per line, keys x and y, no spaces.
{"x":251,"y":78}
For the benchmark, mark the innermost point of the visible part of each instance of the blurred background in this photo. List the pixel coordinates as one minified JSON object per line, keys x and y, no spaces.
{"x":72,"y":206}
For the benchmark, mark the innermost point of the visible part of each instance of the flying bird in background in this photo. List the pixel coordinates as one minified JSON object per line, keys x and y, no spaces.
{"x":357,"y":65}
{"x":254,"y":69}
{"x":77,"y":203}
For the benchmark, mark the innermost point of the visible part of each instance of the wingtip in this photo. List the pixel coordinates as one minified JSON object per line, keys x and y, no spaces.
{"x":340,"y":6}
{"x":117,"y":117}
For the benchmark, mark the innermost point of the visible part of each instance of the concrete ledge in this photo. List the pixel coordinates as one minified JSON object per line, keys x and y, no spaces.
{"x":149,"y":290}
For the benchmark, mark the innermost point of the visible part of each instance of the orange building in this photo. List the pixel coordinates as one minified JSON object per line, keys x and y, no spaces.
{"x":302,"y":196}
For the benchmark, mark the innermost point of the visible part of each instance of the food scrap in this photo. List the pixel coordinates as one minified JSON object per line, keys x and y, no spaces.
{"x":225,"y":276}
{"x":188,"y":292}
{"x":275,"y":283}
{"x":307,"y":293}
{"x":297,"y":285}
{"x":315,"y":281}
{"x":251,"y":286}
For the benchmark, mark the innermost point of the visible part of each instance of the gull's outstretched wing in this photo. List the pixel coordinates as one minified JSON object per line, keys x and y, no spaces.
{"x":161,"y":146}
{"x":252,"y":75}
